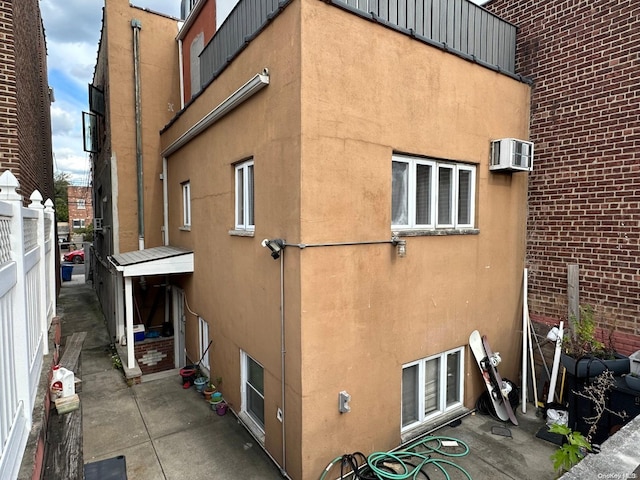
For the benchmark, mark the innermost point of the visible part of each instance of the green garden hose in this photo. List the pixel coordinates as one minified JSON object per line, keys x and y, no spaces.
{"x":378,"y":464}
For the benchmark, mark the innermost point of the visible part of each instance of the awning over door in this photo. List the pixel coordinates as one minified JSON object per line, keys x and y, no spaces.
{"x":154,"y":261}
{"x":150,"y":261}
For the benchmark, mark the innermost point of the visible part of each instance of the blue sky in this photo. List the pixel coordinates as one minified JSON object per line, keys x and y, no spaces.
{"x":72,"y":29}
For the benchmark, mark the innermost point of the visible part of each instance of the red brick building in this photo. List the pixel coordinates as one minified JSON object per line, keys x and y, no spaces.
{"x":25,"y":150}
{"x":584,"y":191}
{"x":25,"y":120}
{"x":80,"y":207}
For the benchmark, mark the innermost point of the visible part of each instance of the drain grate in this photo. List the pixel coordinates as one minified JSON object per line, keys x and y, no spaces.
{"x":502,"y":431}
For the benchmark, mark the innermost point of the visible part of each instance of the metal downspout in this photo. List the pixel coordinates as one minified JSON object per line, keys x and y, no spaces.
{"x":181,"y":66}
{"x":165,"y":203}
{"x":136,"y":25}
{"x":282,"y":363}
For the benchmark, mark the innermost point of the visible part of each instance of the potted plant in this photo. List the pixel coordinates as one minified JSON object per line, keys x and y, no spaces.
{"x":209,"y":390}
{"x":200,"y":383}
{"x":572,"y":450}
{"x":585,"y":355}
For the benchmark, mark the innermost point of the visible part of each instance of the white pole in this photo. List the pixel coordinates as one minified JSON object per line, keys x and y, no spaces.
{"x":556,"y":364}
{"x":128,"y":302}
{"x":525,"y":327}
{"x":533,"y":363}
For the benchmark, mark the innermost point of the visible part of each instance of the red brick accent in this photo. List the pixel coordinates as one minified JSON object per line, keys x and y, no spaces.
{"x":584,"y":191}
{"x":155,"y":355}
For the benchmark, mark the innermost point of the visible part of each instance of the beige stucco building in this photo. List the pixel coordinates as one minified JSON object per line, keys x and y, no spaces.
{"x":126,"y":165}
{"x":354,"y":150}
{"x":348,"y":141}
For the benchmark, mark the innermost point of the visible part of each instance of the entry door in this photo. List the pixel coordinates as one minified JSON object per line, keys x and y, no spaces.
{"x":179,"y":322}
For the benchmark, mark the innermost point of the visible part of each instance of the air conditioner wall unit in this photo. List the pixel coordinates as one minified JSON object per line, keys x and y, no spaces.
{"x":97,"y":224}
{"x":511,"y":155}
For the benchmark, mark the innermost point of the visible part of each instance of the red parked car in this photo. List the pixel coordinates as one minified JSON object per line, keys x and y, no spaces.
{"x":76,"y":256}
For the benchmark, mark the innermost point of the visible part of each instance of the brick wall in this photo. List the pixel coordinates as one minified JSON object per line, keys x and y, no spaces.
{"x":76,"y":198}
{"x":155,"y":354}
{"x":25,"y":122}
{"x":8,"y":103}
{"x":584,"y":199}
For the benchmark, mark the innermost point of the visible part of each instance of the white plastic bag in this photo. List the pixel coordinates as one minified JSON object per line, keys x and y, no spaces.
{"x":557,"y":417}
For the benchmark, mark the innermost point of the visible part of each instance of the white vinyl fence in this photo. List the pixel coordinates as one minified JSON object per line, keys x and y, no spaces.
{"x":27,"y":307}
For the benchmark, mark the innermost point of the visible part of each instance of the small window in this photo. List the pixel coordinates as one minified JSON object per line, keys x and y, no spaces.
{"x":78,"y":223}
{"x":431,"y":387}
{"x":430,"y":194}
{"x":82,"y":204}
{"x":186,"y":204}
{"x":253,"y":390}
{"x":244,"y":196}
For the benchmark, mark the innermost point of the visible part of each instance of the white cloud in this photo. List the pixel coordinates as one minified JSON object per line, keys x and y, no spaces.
{"x":62,"y":121}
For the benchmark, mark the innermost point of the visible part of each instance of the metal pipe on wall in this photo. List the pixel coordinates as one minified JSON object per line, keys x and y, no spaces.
{"x":282,"y":366}
{"x":136,"y":25}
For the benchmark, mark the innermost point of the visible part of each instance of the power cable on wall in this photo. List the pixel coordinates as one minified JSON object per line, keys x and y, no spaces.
{"x":186,"y":304}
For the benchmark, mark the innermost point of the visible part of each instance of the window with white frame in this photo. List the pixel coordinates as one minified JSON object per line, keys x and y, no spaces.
{"x":431,"y":386}
{"x":244,"y":196}
{"x":186,"y":204}
{"x":253,"y":390}
{"x":430,"y":194}
{"x":82,"y":204}
{"x":204,"y":342}
{"x":78,"y":223}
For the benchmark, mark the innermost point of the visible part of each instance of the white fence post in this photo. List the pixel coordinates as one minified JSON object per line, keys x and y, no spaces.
{"x":16,"y":402}
{"x":41,"y":289}
{"x":52,"y":250}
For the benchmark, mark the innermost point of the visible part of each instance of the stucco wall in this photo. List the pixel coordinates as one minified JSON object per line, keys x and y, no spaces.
{"x":367,"y":92}
{"x":236,"y":286}
{"x":160,"y":99}
{"x":344,"y":94}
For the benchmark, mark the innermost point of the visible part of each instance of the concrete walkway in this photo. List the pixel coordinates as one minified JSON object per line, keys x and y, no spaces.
{"x":162,"y":430}
{"x":166,"y":432}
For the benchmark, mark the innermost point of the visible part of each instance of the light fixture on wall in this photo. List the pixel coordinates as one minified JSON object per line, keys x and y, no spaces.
{"x":276,"y":246}
{"x":401,"y":245}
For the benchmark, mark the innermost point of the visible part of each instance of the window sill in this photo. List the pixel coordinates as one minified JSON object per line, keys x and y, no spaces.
{"x":242,"y":233}
{"x":434,"y":423}
{"x":437,"y":232}
{"x":250,"y":425}
{"x":185,"y":229}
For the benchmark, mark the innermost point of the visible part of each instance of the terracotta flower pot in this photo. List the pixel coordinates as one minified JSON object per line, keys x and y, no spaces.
{"x":208,"y":392}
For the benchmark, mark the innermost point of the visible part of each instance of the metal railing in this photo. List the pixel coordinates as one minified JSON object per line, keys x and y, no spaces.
{"x":459,"y":26}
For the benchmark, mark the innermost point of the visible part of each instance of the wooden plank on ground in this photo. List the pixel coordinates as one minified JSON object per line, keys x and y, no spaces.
{"x":71,"y":354}
{"x":64,"y":456}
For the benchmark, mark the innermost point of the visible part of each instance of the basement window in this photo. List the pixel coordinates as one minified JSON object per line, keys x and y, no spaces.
{"x":253,"y":391}
{"x":432,"y":387}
